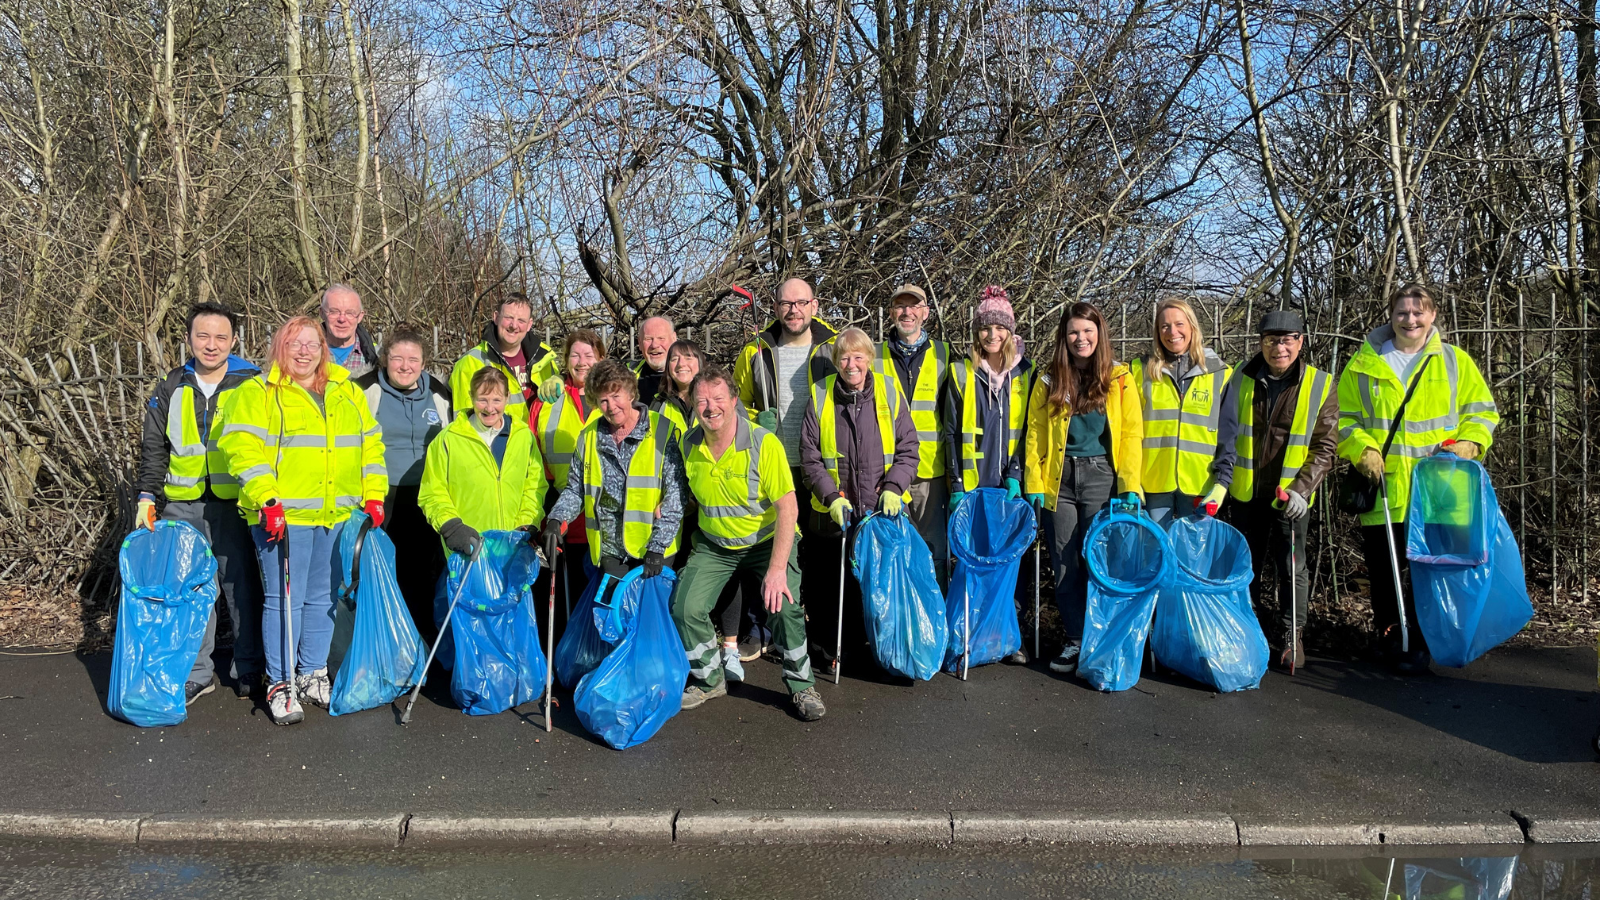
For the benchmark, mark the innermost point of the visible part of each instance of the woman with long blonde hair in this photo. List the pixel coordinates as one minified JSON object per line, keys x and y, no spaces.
{"x":1181,"y":385}
{"x":307,"y":452}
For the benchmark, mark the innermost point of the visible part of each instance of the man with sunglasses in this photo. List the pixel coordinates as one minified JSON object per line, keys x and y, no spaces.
{"x":1278,"y":438}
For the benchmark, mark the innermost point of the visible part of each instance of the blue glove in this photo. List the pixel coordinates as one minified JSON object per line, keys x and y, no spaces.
{"x":1036,"y":501}
{"x":955,"y":499}
{"x":1130,"y":501}
{"x":1013,"y":489}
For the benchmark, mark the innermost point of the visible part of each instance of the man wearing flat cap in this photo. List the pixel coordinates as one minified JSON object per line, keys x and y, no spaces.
{"x":920,"y":367}
{"x":1277,"y":440}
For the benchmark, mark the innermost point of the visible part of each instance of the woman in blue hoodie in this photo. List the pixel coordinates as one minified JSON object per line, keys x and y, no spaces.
{"x":412,"y":407}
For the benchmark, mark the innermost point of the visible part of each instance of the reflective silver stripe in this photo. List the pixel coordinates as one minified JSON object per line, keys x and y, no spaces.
{"x":300,"y":503}
{"x":223,"y":478}
{"x":1162,"y":442}
{"x":927,"y":436}
{"x":238,"y":428}
{"x":477,"y":354}
{"x":346,"y":500}
{"x":303,"y":441}
{"x":551,"y":429}
{"x":375,"y":469}
{"x":702,"y":649}
{"x":175,"y":417}
{"x":1433,"y":424}
{"x":255,"y":472}
{"x":794,"y":654}
{"x":1364,"y":387}
{"x":1410,"y":451}
{"x":647,"y":482}
{"x":639,"y":516}
{"x":1319,"y":383}
{"x":1171,"y":441}
{"x":804,"y":674}
{"x":734,"y":512}
{"x":180,"y":481}
{"x":1479,"y":407}
{"x":1348,"y":430}
{"x":739,"y":543}
{"x":347,"y":440}
{"x":924,"y":406}
{"x":1163,"y":415}
{"x":373,"y":431}
{"x":703,"y":671}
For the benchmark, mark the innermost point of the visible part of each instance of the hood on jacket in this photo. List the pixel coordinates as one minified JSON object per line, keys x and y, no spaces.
{"x":237,"y":365}
{"x":336,"y":373}
{"x":821,"y":332}
{"x":532,"y":348}
{"x":1384,"y":333}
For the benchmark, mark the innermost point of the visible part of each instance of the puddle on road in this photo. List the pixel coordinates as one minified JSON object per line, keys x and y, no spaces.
{"x":57,"y":869}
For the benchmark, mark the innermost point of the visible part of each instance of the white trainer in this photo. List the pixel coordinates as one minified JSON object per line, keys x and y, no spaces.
{"x":314,"y":687}
{"x":283,"y":705}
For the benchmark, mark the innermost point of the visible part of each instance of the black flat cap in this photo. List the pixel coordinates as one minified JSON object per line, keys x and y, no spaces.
{"x":1282,"y":321}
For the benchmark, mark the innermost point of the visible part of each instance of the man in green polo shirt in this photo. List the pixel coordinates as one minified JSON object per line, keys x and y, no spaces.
{"x":740,"y":476}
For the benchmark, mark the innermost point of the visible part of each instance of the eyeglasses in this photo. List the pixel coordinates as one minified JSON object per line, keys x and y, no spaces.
{"x":307,"y":346}
{"x":1282,"y":340}
{"x":786,"y":305}
{"x":911,"y":306}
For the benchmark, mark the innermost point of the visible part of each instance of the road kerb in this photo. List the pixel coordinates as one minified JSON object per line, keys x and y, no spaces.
{"x":1560,"y":830}
{"x":64,"y":826}
{"x":379,"y":831}
{"x":1284,"y":833}
{"x":1498,"y":830}
{"x":436,"y":830}
{"x":806,"y":827}
{"x":1197,"y":830}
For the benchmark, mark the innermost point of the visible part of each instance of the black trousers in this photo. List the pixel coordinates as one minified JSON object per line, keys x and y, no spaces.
{"x":418,"y":555}
{"x":1380,"y":575}
{"x":1272,"y":536}
{"x":821,"y":573}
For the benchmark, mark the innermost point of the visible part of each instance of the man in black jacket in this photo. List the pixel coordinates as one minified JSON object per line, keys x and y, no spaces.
{"x":179,"y":458}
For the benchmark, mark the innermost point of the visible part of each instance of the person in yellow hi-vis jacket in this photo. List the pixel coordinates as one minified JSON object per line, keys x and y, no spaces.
{"x":1084,"y":445}
{"x":1450,"y":409}
{"x":306,"y":451}
{"x":556,"y":426}
{"x":508,"y":345}
{"x":1181,"y":383}
{"x":986,"y":408}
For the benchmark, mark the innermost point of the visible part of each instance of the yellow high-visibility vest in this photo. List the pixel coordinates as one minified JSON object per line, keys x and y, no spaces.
{"x":1180,"y":434}
{"x":885,"y":405}
{"x":1452,"y":401}
{"x":558,"y":428}
{"x":642,"y":495}
{"x":963,"y":374}
{"x":192,"y":460}
{"x":320,"y":460}
{"x":924,"y":402}
{"x":1310,"y":394}
{"x":736,"y":512}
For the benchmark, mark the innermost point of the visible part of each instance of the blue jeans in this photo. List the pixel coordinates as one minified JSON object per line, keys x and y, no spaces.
{"x":313,"y":556}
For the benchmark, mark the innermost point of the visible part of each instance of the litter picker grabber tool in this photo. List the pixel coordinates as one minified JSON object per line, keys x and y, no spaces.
{"x":1394,"y":569}
{"x":405,"y":717}
{"x":966,"y":633}
{"x":552,"y":553}
{"x":838,"y":628}
{"x":1294,"y":586}
{"x":1038,"y":543}
{"x":289,"y":643}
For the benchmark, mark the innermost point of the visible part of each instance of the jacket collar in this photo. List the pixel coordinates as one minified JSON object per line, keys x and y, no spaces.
{"x":821,"y":333}
{"x":1256,"y":369}
{"x":336,"y":373}
{"x":844,"y":395}
{"x":640,"y":428}
{"x":418,"y":392}
{"x":1368,"y":359}
{"x":530,"y":344}
{"x":237,"y":365}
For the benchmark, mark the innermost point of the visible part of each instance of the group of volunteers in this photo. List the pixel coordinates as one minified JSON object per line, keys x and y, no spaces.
{"x":732,"y":478}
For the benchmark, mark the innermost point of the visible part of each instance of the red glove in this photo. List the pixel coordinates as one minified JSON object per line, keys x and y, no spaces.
{"x":273,"y":522}
{"x":374,"y":510}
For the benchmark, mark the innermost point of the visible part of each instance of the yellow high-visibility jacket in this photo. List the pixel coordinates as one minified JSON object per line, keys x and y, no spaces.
{"x":542,"y":364}
{"x":754,"y":370}
{"x":319,"y":460}
{"x":460,"y":480}
{"x":1043,"y":459}
{"x":1452,"y":401}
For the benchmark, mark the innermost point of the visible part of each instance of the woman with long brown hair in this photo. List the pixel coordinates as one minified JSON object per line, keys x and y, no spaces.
{"x":1084,"y":443}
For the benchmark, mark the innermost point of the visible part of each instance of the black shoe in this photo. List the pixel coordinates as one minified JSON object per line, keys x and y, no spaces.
{"x":1067,"y":662}
{"x":193,"y":691}
{"x":250,"y":686}
{"x":1596,"y":741}
{"x":1412,"y":662}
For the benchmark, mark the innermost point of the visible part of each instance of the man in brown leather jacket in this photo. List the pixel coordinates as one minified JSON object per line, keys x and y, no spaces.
{"x":1276,"y":441}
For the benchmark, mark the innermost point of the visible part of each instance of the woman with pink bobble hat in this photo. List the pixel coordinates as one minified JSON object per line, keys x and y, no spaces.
{"x":986,"y":408}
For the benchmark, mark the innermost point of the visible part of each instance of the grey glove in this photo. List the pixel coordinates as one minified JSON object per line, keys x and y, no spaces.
{"x":461,"y":538}
{"x":1296,"y":507}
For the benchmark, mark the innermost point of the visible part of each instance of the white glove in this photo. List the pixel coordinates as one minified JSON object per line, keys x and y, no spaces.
{"x":1296,"y":507}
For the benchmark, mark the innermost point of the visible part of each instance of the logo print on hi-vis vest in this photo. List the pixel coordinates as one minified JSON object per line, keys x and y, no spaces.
{"x":1200,"y":397}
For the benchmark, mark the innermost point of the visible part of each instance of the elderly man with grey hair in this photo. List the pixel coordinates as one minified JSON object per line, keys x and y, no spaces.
{"x":348,"y":340}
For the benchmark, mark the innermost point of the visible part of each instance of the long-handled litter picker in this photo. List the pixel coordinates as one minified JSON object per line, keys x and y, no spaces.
{"x":405,"y":717}
{"x":1394,"y":568}
{"x":1038,"y":544}
{"x":838,"y":628}
{"x":289,"y":643}
{"x":552,"y":555}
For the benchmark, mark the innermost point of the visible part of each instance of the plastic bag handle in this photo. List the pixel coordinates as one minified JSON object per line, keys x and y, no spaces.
{"x":349,"y":593}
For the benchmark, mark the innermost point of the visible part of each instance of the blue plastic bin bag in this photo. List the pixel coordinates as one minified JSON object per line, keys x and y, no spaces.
{"x":499,"y":662}
{"x":901,"y":604}
{"x":581,"y":647}
{"x":1466,"y":570}
{"x":386,"y":653}
{"x":169,"y":584}
{"x":1205,"y":625}
{"x":1128,"y":559}
{"x":988,"y":535}
{"x":1467,"y":878}
{"x":638,"y":686}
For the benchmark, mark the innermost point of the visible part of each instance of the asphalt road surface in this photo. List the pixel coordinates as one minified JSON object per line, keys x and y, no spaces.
{"x":1341,"y":740}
